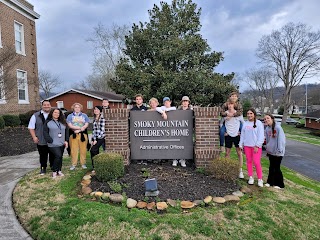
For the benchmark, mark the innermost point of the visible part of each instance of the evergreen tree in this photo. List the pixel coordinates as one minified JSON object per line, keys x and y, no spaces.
{"x":167,"y":56}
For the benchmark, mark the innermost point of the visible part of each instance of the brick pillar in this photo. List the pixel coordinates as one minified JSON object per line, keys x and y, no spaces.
{"x":207,"y":135}
{"x":117,"y":132}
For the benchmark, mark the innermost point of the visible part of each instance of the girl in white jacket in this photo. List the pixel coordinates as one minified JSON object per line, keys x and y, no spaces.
{"x":251,"y":140}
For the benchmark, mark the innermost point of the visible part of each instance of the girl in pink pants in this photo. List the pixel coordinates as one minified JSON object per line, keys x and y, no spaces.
{"x":251,"y":140}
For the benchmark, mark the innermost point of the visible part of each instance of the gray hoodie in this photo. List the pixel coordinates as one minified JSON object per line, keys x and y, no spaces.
{"x":275,"y":145}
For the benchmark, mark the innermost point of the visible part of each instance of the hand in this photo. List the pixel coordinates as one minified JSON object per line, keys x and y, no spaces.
{"x":94,"y":142}
{"x":255,"y":149}
{"x":66,"y":144}
{"x":77,"y":131}
{"x":165,"y":116}
{"x":35,"y":139}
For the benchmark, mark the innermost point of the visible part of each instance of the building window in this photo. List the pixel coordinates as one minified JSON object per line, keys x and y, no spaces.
{"x":2,"y":87}
{"x":60,"y":104}
{"x":23,"y":96}
{"x":19,"y":38}
{"x":89,"y":104}
{"x":309,"y":120}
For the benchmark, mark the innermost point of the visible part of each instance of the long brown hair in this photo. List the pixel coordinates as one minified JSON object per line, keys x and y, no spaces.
{"x":273,"y":123}
{"x":61,"y":118}
{"x":255,"y":116}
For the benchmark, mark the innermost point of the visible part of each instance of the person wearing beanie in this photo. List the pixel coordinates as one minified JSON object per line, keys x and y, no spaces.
{"x":98,"y":133}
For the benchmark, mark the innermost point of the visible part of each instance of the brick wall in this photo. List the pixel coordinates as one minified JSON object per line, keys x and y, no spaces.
{"x":117,"y":132}
{"x":313,"y":124}
{"x":26,"y":63}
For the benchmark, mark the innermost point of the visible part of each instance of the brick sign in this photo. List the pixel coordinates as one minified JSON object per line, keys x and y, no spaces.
{"x":152,"y":137}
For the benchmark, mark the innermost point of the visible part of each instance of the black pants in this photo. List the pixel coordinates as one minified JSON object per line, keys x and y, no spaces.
{"x":275,"y":177}
{"x":58,"y":154}
{"x":95,"y":149}
{"x":43,"y":152}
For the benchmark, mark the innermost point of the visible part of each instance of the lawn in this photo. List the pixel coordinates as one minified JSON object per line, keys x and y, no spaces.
{"x":55,"y":209}
{"x":300,"y":134}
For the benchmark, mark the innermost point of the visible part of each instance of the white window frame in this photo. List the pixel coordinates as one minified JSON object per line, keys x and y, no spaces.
{"x":60,"y":104}
{"x":21,"y":51}
{"x":89,"y":104}
{"x":2,"y":90}
{"x":19,"y":82}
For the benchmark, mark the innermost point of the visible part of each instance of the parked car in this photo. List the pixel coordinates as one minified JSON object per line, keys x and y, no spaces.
{"x":292,"y":121}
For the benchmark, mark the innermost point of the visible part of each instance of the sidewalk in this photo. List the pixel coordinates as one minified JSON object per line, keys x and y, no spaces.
{"x":12,"y":168}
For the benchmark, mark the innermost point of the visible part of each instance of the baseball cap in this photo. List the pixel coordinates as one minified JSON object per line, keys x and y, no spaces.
{"x":185,"y":98}
{"x":166,"y":99}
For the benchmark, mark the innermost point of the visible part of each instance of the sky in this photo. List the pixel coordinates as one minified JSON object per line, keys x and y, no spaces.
{"x":233,"y":27}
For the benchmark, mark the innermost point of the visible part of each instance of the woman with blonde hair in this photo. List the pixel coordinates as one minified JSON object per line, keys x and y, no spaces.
{"x":78,"y":123}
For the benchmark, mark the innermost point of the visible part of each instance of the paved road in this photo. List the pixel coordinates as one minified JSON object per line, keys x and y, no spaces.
{"x":12,"y":168}
{"x":303,"y":158}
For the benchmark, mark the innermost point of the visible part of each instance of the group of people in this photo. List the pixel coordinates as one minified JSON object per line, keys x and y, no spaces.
{"x":52,"y":133}
{"x":154,"y":106}
{"x":248,"y":137}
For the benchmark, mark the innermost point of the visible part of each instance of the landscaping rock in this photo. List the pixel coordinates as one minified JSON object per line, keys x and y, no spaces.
{"x":98,"y":194}
{"x":116,"y":198}
{"x":86,"y":177}
{"x":208,"y":199}
{"x":218,"y":200}
{"x":186,"y":204}
{"x":162,"y":205}
{"x":85,"y":182}
{"x":86,"y":190}
{"x":142,"y":204}
{"x":151,"y":205}
{"x":197,"y":202}
{"x":238,"y":193}
{"x":131,"y":203}
{"x":172,"y":203}
{"x":105,"y":196}
{"x":245,"y":189}
{"x":229,"y":198}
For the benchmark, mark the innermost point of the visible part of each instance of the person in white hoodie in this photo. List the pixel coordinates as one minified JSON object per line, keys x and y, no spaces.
{"x":251,"y":140}
{"x":276,"y":143}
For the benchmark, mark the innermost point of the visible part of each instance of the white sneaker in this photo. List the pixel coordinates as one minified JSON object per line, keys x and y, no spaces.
{"x":260,"y":182}
{"x":72,"y":168}
{"x":84,"y":166}
{"x":175,"y":163}
{"x":60,"y":174}
{"x":277,"y":187}
{"x":267,"y":185}
{"x":183,"y":163}
{"x":251,"y":180}
{"x":54,"y":175}
{"x":241,"y":175}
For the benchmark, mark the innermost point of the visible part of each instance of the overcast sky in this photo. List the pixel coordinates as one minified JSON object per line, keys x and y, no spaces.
{"x":231,"y":26}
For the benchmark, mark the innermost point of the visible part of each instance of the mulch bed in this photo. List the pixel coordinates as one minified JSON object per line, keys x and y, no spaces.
{"x":173,"y":183}
{"x":16,"y":141}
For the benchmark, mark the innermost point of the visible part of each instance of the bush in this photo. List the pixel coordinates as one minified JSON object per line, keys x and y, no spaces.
{"x":224,"y":168}
{"x":315,"y":133}
{"x":299,"y":125}
{"x":2,"y":123}
{"x":11,"y":120}
{"x":108,"y":166}
{"x":25,"y":117}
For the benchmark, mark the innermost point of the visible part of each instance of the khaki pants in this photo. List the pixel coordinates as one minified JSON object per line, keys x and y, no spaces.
{"x":75,"y":146}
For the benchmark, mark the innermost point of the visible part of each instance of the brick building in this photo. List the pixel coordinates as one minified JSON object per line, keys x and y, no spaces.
{"x":313,"y":120}
{"x":19,"y":86}
{"x":87,"y":98}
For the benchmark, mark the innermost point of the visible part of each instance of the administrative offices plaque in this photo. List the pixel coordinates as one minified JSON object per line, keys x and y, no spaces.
{"x":152,"y":137}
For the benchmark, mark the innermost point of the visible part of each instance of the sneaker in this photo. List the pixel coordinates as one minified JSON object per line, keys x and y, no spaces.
{"x":183,"y":163}
{"x":260,"y":182}
{"x":60,"y":174}
{"x":84,"y":166}
{"x":267,"y":185}
{"x":277,"y":187}
{"x":241,"y":175}
{"x":43,"y":171}
{"x":72,"y":168}
{"x":175,"y":163}
{"x":54,"y":174}
{"x":251,"y":180}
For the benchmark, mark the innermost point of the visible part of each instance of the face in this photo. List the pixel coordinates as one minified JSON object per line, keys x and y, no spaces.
{"x":55,"y":114}
{"x":96,"y":111}
{"x":250,"y":115}
{"x":139,"y":101}
{"x":268,"y":120}
{"x":230,"y":106}
{"x":46,"y":106}
{"x":153,"y":104}
{"x":105,"y":103}
{"x":185,"y":103}
{"x":167,"y":104}
{"x":77,"y":108}
{"x":233,"y":98}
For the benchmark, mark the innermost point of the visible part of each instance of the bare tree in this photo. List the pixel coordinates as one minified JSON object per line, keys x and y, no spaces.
{"x":263,"y":81}
{"x":48,"y":82}
{"x":8,"y":76}
{"x":293,"y":51}
{"x":108,"y":44}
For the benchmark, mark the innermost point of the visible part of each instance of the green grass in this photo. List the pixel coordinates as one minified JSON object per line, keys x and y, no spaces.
{"x":55,"y":209}
{"x":300,"y":134}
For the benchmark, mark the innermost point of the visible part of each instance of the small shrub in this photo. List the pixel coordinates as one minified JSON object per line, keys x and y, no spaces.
{"x":315,"y":133}
{"x":11,"y":120}
{"x":108,"y":166}
{"x":299,"y":125}
{"x":224,"y":168}
{"x":115,"y":186}
{"x":2,"y":123}
{"x":25,"y":117}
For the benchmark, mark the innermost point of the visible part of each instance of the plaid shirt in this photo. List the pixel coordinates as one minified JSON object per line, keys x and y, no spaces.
{"x":99,"y":131}
{"x":237,"y":107}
